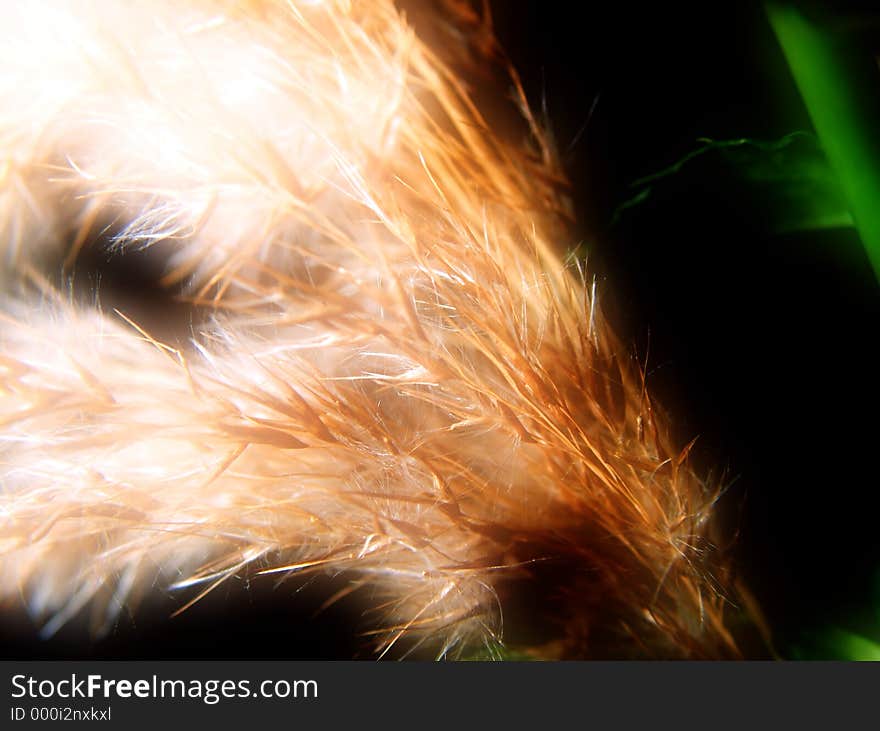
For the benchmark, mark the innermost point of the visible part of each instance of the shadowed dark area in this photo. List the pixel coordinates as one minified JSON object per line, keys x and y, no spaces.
{"x":263,"y":619}
{"x":130,"y":282}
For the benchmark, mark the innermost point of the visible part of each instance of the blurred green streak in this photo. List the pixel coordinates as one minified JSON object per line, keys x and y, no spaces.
{"x":787,"y":184}
{"x":820,"y":70}
{"x":836,"y":643}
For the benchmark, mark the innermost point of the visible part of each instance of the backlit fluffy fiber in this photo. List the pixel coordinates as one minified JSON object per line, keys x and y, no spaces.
{"x":398,"y":379}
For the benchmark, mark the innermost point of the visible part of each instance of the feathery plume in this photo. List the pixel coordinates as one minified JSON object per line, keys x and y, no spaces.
{"x":394,"y":376}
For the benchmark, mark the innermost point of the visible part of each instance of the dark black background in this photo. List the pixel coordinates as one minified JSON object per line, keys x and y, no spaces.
{"x":760,"y":344}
